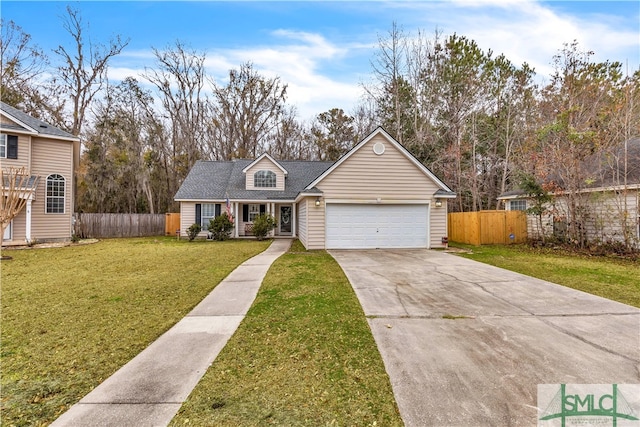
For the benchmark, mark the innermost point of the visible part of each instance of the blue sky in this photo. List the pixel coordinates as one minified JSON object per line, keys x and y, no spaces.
{"x":323,"y":50}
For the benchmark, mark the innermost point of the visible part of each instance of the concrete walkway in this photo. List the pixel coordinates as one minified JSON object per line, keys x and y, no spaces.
{"x":149,"y":390}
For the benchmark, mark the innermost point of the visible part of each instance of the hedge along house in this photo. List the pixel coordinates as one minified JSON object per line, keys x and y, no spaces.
{"x":375,"y":196}
{"x":50,"y":157}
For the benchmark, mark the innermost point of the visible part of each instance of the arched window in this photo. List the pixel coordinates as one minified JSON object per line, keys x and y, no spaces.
{"x":264,"y":179}
{"x":55,"y":193}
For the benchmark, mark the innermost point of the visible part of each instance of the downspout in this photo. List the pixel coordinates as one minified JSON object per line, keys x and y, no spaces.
{"x":28,"y":224}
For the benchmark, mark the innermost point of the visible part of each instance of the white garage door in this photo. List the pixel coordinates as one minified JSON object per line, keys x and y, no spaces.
{"x":376,"y":226}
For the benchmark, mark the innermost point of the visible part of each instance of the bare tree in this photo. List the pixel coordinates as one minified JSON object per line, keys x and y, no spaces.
{"x":16,"y":185}
{"x":577,"y":106}
{"x":180,"y":80}
{"x":246,"y":111}
{"x":84,"y":68}
{"x":21,"y":63}
{"x":390,"y":92}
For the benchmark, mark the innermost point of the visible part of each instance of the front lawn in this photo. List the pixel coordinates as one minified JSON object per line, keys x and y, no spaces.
{"x":615,"y":279}
{"x":303,"y":356}
{"x":72,"y":316}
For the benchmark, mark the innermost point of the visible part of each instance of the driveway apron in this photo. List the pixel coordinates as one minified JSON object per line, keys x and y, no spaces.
{"x":149,"y":390}
{"x":466,"y":344}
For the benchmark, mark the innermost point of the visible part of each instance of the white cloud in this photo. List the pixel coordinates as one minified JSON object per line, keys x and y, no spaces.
{"x":299,"y":63}
{"x":527,"y":31}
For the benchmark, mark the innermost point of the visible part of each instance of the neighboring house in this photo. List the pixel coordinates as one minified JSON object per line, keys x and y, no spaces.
{"x":609,"y":200}
{"x":375,"y":196}
{"x":50,"y":157}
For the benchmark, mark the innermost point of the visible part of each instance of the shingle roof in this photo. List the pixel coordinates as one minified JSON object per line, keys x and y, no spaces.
{"x":217,"y":180}
{"x":28,"y":184}
{"x":42,"y":128}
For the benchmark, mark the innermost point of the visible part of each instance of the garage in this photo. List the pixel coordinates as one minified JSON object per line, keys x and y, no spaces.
{"x":353,"y":226}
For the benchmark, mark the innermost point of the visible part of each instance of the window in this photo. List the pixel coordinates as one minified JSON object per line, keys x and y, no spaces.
{"x":8,"y":146}
{"x":254,"y":212}
{"x":264,"y":179}
{"x":55,"y":194}
{"x":518,"y":205}
{"x":209,"y":212}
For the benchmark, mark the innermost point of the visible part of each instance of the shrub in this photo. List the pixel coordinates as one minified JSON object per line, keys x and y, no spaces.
{"x":221,"y":227}
{"x":193,"y":230}
{"x":262,"y":225}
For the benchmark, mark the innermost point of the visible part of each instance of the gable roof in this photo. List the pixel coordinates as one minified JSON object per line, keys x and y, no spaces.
{"x":24,"y":123}
{"x":217,"y":180}
{"x":443,"y":191}
{"x":271,"y":159}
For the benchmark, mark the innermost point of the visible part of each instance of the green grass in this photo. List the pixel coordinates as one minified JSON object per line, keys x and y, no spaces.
{"x":304,"y":355}
{"x":616,"y":279}
{"x":72,"y":316}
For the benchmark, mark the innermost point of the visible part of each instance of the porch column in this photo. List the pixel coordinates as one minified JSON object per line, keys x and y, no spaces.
{"x":273,"y":214}
{"x":28,"y":224}
{"x":236,"y":233}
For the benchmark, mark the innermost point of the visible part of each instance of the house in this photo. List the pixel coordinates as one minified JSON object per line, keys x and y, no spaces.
{"x":50,"y":157}
{"x":608,"y":204}
{"x":375,"y":196}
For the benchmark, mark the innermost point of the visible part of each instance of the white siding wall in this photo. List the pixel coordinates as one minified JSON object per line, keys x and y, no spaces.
{"x":607,"y":211}
{"x":302,"y":221}
{"x":265,"y":164}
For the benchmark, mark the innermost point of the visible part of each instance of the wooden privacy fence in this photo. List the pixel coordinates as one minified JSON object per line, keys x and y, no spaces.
{"x":488,"y":227}
{"x":171,"y":224}
{"x":104,"y":225}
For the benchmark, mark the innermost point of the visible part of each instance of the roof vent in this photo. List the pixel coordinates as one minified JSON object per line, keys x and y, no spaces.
{"x":44,"y":126}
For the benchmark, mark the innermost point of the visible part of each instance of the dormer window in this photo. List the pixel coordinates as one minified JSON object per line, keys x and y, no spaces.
{"x":264,"y":179}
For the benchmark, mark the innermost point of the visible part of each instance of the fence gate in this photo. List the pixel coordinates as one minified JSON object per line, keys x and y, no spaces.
{"x":488,"y":227}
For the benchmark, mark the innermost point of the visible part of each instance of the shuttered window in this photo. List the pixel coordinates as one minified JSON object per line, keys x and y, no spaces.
{"x":206,"y":212}
{"x":8,"y":146}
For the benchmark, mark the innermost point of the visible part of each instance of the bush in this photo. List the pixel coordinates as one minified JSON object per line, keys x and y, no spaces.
{"x":221,"y":227}
{"x":193,"y":230}
{"x":262,"y":225}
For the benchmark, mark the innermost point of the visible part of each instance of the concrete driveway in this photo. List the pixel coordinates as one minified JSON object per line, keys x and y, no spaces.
{"x":466,"y":344}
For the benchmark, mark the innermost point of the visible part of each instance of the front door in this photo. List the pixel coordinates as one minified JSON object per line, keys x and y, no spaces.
{"x":285,"y":219}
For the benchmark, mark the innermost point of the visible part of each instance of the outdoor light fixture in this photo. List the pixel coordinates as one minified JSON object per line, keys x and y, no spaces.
{"x":438,"y":203}
{"x":318,"y":201}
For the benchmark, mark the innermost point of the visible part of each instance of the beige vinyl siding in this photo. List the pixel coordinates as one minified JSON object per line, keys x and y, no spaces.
{"x":24,"y":144}
{"x":19,"y":231}
{"x":265,"y":164}
{"x":367,"y":176}
{"x":315,"y":224}
{"x":51,"y":157}
{"x":391,"y":177}
{"x":188,"y":218}
{"x":302,"y":221}
{"x":438,"y":226}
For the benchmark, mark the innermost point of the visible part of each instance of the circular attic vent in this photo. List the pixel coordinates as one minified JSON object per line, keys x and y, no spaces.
{"x":378,"y":148}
